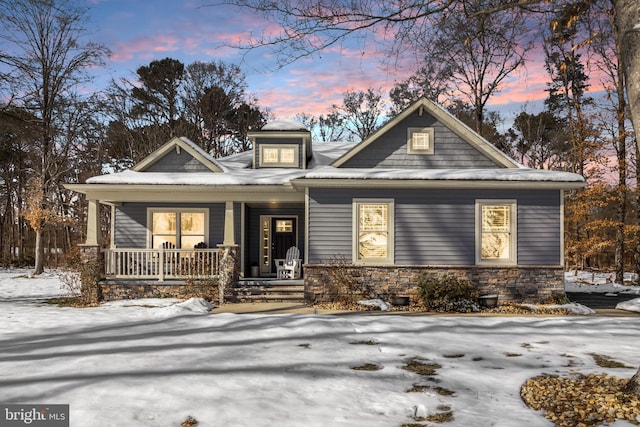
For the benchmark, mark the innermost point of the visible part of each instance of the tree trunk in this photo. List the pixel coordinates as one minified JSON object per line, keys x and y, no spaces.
{"x":39,"y":253}
{"x":628,"y":29}
{"x":633,"y":386}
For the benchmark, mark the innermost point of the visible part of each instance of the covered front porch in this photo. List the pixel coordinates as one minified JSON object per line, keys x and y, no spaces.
{"x":254,"y":236}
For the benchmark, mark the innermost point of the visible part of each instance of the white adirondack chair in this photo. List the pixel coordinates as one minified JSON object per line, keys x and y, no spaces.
{"x":289,"y":267}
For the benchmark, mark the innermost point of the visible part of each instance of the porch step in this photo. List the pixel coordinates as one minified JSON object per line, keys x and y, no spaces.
{"x":269,"y":291}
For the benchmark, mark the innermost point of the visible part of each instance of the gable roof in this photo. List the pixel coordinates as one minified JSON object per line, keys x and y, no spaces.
{"x":236,"y":167}
{"x":182,"y":143}
{"x":449,"y":121}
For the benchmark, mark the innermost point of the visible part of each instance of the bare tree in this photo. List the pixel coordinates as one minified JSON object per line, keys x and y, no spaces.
{"x":361,"y":112}
{"x":478,"y":51}
{"x":431,"y":81}
{"x":48,"y":58}
{"x":605,"y":46}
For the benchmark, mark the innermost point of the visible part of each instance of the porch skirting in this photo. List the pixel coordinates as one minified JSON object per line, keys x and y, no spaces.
{"x":512,"y":284}
{"x":113,"y":290}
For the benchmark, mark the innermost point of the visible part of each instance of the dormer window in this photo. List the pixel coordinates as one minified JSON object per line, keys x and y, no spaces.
{"x":420,"y":140}
{"x":281,"y":144}
{"x":280,"y":155}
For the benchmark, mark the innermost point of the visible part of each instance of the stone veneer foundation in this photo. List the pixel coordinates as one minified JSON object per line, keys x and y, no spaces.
{"x":512,"y":284}
{"x":119,"y":289}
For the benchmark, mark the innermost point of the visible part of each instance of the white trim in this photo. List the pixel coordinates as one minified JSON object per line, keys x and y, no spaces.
{"x":279,"y":148}
{"x":434,"y":183}
{"x":178,"y":210}
{"x":562,"y":228}
{"x":306,"y":226}
{"x":513,"y":238}
{"x":269,"y":218}
{"x":242,"y":238}
{"x":429,"y":131}
{"x":280,"y":134}
{"x":113,"y":227}
{"x":390,"y":258}
{"x":184,"y":143}
{"x":449,"y":121}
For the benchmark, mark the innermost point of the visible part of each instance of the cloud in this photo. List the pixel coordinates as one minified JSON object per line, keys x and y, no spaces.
{"x":146,"y":47}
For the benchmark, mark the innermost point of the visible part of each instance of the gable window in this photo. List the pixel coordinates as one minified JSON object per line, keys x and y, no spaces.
{"x":496,"y":232}
{"x":420,"y":140}
{"x":178,"y":228}
{"x":373,"y":231}
{"x":278,"y":155}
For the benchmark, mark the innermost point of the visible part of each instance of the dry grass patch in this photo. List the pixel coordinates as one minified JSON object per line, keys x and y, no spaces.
{"x":189,"y":422}
{"x":421,"y":368}
{"x":441,"y":417}
{"x":367,"y":367}
{"x":419,"y":388}
{"x":366,"y":342}
{"x":607,"y":362}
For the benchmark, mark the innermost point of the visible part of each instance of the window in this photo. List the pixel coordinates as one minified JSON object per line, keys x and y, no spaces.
{"x":284,"y":226}
{"x":373,"y":231}
{"x":279,"y":155}
{"x":420,"y":140}
{"x":178,"y":228}
{"x":496,"y":236}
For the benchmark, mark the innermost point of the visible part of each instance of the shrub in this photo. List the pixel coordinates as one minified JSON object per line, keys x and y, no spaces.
{"x":448,"y":293}
{"x":559,"y":298}
{"x":347,"y":284}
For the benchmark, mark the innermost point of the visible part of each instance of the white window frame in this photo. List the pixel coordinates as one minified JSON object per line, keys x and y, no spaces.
{"x":428,"y":133}
{"x":279,"y":163}
{"x":178,"y":212}
{"x":389,"y":259}
{"x":513,"y":232}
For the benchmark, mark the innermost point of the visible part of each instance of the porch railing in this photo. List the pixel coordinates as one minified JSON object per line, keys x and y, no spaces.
{"x":161,"y":264}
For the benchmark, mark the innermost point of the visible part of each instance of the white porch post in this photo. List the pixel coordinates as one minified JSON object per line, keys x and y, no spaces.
{"x":229,"y":260}
{"x":93,"y":223}
{"x":229,"y":230}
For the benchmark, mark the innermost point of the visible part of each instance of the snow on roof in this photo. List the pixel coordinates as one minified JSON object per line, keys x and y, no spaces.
{"x":237,"y":170}
{"x":501,"y":174}
{"x":285,"y":124}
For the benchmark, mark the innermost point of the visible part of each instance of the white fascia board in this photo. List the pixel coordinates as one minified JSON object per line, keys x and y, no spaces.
{"x":435,"y":184}
{"x":449,"y":121}
{"x":278,"y":134}
{"x":184,"y":144}
{"x":189,"y":194}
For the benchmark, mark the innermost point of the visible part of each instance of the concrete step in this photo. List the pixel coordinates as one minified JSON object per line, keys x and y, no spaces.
{"x":298,"y":298}
{"x":269,"y":291}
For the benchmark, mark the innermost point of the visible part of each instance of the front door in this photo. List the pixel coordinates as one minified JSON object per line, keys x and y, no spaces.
{"x":279,"y":234}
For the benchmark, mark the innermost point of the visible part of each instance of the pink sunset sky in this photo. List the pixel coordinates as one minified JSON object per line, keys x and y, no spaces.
{"x":140,"y":31}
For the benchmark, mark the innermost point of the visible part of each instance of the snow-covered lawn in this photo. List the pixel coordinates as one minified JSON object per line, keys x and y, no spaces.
{"x":158,"y":362}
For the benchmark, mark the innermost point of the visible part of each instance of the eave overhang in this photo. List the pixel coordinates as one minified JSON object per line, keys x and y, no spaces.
{"x":435,"y":184}
{"x":120,"y":193}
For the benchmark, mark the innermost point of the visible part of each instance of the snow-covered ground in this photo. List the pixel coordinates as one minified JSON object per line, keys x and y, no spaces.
{"x":156,"y":362}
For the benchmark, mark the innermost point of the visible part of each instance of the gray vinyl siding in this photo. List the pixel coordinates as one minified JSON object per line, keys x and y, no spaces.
{"x":131,"y":222}
{"x":330,"y":225}
{"x":174,"y":162}
{"x":435,"y":227}
{"x":539,"y":229}
{"x":390,"y":149}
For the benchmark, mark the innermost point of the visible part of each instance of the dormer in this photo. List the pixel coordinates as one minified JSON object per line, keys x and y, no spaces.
{"x":281,"y":143}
